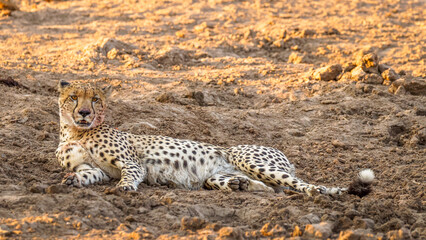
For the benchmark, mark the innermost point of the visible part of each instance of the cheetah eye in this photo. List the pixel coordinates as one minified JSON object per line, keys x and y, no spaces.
{"x":73,"y":97}
{"x":95,"y":99}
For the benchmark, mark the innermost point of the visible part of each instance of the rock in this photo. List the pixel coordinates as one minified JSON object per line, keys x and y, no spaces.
{"x":394,"y":223}
{"x":214,"y":226}
{"x":130,"y":218}
{"x":372,"y":78}
{"x":383,"y":67}
{"x":199,"y":97}
{"x":166,"y":98}
{"x":8,"y":5}
{"x":395,"y":85}
{"x":396,"y":128}
{"x":266,"y":231}
{"x":209,"y":211}
{"x":421,"y":112}
{"x":389,"y":75}
{"x":347,"y":67}
{"x":296,"y":232}
{"x":421,"y":137}
{"x":327,"y":73}
{"x":331,"y":31}
{"x":142,"y":210}
{"x":357,"y":234}
{"x":352,"y":213}
{"x":417,"y":232}
{"x":59,"y":188}
{"x":364,"y":223}
{"x":307,"y":32}
{"x":174,"y":56}
{"x":369,"y":63}
{"x":357,"y":74}
{"x":321,"y":230}
{"x":400,"y":91}
{"x":106,"y":49}
{"x":168,"y":199}
{"x":296,"y":58}
{"x":345,"y":77}
{"x":337,"y":143}
{"x":202,"y":27}
{"x":38,"y":188}
{"x":342,"y":224}
{"x":180,"y":34}
{"x":415,"y":86}
{"x":112,"y":54}
{"x":295,"y":133}
{"x":230,"y":233}
{"x":308,"y":219}
{"x":400,"y":234}
{"x":192,"y":223}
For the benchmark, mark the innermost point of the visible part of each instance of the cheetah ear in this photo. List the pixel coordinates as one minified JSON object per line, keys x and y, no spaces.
{"x":107,"y":90}
{"x":63,"y":84}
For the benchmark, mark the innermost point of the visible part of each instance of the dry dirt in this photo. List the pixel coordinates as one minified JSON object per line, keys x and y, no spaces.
{"x":223,"y":72}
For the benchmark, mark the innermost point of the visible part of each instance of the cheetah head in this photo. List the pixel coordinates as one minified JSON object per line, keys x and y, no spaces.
{"x":82,"y":105}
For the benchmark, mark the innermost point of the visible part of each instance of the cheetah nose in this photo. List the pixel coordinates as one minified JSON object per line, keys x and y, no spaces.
{"x":84,"y":112}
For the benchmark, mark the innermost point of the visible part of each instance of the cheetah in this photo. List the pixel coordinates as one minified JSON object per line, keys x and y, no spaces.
{"x":95,"y":153}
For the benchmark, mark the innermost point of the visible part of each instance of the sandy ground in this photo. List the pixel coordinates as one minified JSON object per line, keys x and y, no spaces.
{"x":223,"y":72}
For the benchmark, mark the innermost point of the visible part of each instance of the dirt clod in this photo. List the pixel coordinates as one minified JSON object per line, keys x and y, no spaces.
{"x":230,"y":233}
{"x":59,"y":188}
{"x":38,"y":188}
{"x":327,"y":73}
{"x":192,"y":223}
{"x":10,"y":82}
{"x":321,"y":230}
{"x":369,"y":63}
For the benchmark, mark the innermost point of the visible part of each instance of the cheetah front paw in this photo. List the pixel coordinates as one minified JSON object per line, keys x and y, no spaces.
{"x":72,"y":179}
{"x":126,"y":187}
{"x":238,"y":183}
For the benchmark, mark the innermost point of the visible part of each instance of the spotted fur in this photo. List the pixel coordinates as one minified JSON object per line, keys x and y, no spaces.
{"x":94,"y":152}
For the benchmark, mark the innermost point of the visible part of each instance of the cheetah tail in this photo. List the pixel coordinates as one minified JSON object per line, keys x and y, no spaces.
{"x":362,"y":185}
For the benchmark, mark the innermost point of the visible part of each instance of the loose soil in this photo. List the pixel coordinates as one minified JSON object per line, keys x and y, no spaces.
{"x":310,"y":78}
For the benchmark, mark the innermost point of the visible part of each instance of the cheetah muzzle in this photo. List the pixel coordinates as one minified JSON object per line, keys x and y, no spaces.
{"x":94,"y":153}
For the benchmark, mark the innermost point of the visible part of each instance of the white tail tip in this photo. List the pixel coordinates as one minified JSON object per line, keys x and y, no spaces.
{"x":366,"y":176}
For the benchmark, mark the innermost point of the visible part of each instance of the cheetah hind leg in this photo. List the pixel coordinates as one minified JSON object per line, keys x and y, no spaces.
{"x":235,"y":182}
{"x":271,"y":166}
